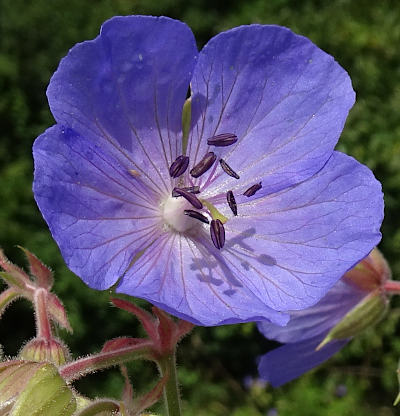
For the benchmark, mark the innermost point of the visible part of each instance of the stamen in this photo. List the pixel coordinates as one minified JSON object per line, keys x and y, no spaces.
{"x":217,"y":232}
{"x":227,"y":169}
{"x":222,"y":140}
{"x":231,"y":202}
{"x":179,"y":166}
{"x":253,"y":189}
{"x":203,"y":165}
{"x":191,"y":189}
{"x":197,"y":215}
{"x":189,"y":197}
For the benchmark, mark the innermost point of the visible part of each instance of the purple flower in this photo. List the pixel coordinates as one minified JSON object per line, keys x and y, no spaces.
{"x":113,"y":182}
{"x":306,"y":329}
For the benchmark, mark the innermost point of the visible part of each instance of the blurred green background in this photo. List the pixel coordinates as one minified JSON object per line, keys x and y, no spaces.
{"x":364,"y":37}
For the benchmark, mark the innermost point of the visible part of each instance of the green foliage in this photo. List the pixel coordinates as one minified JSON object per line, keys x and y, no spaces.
{"x":364,"y":37}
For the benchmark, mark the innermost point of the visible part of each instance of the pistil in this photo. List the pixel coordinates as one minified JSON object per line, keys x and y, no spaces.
{"x":175,"y":209}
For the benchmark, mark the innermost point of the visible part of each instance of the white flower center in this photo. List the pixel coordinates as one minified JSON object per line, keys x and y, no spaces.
{"x":174,"y":216}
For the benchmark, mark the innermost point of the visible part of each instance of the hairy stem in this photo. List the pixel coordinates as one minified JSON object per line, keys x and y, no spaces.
{"x":42,"y":317}
{"x":79,"y":368}
{"x":167,"y":365}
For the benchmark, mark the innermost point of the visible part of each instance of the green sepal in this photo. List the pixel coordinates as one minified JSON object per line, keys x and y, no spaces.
{"x":41,"y":349}
{"x":46,"y":394}
{"x":186,"y":120}
{"x":6,"y":297}
{"x":369,"y":311}
{"x":14,"y":279}
{"x":57,"y":312}
{"x":14,"y":376}
{"x":102,"y":407}
{"x":38,"y":270}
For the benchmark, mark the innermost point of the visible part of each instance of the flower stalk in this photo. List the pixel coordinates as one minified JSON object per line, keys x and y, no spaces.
{"x":172,"y":401}
{"x":392,"y":287}
{"x":165,"y":333}
{"x":42,"y":317}
{"x":105,"y":359}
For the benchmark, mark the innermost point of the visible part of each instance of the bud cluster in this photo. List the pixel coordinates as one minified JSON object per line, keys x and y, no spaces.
{"x":38,"y":381}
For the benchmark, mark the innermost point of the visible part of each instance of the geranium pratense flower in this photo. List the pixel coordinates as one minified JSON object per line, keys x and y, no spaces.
{"x":253,"y":216}
{"x":313,"y":335}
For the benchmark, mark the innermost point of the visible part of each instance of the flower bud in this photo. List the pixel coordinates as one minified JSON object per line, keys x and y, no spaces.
{"x":41,"y":350}
{"x":46,"y":394}
{"x":369,"y":311}
{"x":372,"y":272}
{"x":30,"y":388}
{"x":14,"y":375}
{"x":101,"y":407}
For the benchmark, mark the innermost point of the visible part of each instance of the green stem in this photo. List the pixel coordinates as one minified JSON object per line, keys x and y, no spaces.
{"x":167,"y":365}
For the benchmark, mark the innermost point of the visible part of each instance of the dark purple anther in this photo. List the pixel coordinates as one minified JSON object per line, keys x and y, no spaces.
{"x":227,"y":169}
{"x":197,"y":215}
{"x":253,"y":189}
{"x":203,"y":165}
{"x":222,"y":140}
{"x":231,"y":202}
{"x":217,"y":232}
{"x":191,"y":189}
{"x":189,"y":197}
{"x":179,"y":166}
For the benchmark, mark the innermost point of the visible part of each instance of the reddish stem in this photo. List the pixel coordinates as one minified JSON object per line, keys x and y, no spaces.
{"x":79,"y":368}
{"x":42,"y":317}
{"x":392,"y":286}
